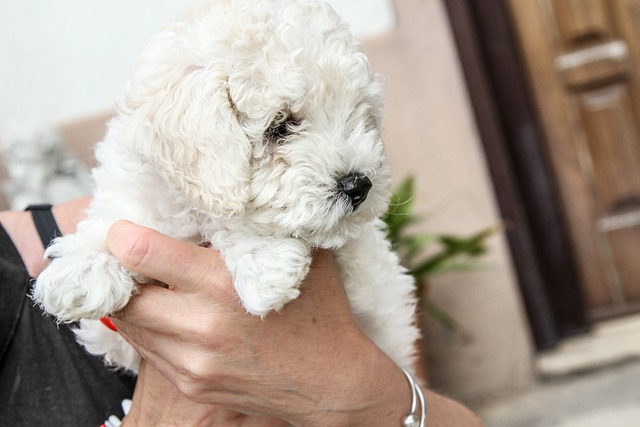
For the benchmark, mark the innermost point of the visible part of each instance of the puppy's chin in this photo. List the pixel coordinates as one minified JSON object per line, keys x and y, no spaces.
{"x":332,"y":240}
{"x":336,"y":233}
{"x":323,"y":221}
{"x":332,"y":243}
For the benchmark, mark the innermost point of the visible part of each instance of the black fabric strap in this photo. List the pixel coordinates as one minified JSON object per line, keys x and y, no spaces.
{"x":45,"y":223}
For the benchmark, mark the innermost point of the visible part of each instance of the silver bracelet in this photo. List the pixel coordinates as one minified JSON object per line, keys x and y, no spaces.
{"x":411,"y":419}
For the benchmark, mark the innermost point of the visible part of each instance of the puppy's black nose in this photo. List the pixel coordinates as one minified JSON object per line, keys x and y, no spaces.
{"x":356,"y":186}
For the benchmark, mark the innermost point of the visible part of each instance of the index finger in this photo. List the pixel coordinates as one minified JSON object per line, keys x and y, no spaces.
{"x":155,"y":255}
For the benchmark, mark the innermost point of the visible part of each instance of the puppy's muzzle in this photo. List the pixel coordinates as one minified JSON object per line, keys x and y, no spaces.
{"x":355,"y":186}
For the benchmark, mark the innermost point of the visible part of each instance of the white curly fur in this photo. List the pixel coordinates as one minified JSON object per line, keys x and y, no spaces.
{"x":191,"y":154}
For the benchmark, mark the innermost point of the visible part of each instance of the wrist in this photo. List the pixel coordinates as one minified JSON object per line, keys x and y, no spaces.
{"x":386,"y":394}
{"x":376,"y":394}
{"x":156,"y":401}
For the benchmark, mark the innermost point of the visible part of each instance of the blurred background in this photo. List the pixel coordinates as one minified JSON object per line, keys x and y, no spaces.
{"x":515,"y":116}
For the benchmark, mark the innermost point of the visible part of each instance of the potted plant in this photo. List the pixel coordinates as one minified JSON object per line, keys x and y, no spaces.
{"x":426,"y":254}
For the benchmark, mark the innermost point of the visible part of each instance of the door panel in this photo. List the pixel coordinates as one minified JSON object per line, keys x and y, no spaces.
{"x":582,"y":20}
{"x":624,"y":244}
{"x":612,"y":147}
{"x":583,"y":58}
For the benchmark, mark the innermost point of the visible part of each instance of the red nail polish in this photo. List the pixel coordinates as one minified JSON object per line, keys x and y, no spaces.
{"x":109,"y":324}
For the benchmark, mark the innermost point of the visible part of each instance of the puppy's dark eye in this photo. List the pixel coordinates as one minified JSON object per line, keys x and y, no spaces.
{"x":281,"y":128}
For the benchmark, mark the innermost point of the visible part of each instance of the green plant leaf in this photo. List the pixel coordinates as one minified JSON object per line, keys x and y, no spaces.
{"x":400,"y":212}
{"x":447,"y":252}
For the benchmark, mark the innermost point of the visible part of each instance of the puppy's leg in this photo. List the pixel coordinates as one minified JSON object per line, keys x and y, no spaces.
{"x":83,"y":279}
{"x":381,"y":294}
{"x":267,"y":271}
{"x":108,"y":344}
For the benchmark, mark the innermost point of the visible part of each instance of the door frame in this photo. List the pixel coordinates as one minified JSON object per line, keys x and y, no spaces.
{"x":517,"y":160}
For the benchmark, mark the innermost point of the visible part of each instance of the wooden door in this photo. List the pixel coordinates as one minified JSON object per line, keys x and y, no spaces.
{"x":583,"y":62}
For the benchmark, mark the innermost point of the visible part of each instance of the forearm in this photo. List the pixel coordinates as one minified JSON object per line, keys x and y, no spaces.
{"x":368,"y":390}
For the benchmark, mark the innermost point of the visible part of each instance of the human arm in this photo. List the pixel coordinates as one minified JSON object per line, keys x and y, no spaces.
{"x":157,"y":401}
{"x":19,"y":225}
{"x":310,"y":364}
{"x":330,"y":378}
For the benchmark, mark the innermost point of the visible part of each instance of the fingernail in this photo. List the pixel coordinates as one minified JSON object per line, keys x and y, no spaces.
{"x":109,"y":324}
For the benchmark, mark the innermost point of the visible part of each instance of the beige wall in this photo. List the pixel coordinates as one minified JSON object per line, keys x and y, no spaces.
{"x":430,"y":132}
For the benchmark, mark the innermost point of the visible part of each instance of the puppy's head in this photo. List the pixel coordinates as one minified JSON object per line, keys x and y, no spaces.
{"x":266,"y":110}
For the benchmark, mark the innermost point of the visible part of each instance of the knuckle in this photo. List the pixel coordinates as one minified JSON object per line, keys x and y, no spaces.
{"x":204,"y":323}
{"x":206,"y":331}
{"x":192,"y":390}
{"x":196,"y":373}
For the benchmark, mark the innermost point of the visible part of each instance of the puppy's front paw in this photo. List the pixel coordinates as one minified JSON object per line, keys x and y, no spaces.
{"x":267,"y":272}
{"x":81,"y":282}
{"x":262,"y":293}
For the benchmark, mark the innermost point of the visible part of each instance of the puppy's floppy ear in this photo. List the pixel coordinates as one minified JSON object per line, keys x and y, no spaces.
{"x":194,"y":139}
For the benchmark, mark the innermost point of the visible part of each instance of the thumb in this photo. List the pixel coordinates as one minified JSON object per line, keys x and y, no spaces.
{"x":160,"y":257}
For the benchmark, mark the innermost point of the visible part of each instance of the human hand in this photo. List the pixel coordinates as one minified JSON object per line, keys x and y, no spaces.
{"x":157,"y":401}
{"x":310,"y":364}
{"x":301,"y":369}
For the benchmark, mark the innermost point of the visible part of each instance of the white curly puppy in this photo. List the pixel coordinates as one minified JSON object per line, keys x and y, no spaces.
{"x":253,"y":125}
